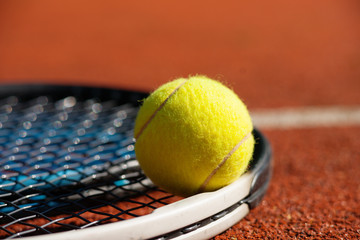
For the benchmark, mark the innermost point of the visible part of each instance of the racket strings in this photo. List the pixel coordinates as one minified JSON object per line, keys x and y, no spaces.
{"x":69,"y":163}
{"x":126,"y":209}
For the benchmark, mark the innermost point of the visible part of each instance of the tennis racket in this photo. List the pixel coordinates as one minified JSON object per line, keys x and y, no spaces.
{"x":68,"y":169}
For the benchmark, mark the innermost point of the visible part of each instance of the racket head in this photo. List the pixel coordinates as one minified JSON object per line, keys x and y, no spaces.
{"x":249,"y":189}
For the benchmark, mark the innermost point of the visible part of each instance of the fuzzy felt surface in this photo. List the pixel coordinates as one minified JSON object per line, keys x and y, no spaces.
{"x":194,"y":124}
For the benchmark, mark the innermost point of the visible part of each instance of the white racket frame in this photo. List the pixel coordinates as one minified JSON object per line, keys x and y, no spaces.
{"x":173,"y":217}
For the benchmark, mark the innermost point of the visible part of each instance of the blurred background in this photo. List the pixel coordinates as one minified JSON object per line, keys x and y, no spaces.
{"x":273,"y":53}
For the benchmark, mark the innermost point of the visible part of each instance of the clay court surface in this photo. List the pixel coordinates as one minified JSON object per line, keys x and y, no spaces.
{"x":301,"y":56}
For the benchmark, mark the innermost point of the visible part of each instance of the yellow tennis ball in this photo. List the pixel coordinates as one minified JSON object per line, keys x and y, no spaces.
{"x":193,"y":135}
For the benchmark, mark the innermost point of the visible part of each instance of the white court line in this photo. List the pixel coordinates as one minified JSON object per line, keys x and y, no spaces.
{"x":306,"y":117}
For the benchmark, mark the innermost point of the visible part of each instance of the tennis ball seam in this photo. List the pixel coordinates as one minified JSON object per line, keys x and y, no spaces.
{"x":158,"y":109}
{"x":209,"y":177}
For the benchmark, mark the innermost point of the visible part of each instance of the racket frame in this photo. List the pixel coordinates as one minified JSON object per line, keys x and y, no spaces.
{"x":223,"y":208}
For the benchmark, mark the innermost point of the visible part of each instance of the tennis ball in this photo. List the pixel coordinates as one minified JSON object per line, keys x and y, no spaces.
{"x":193,"y":135}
